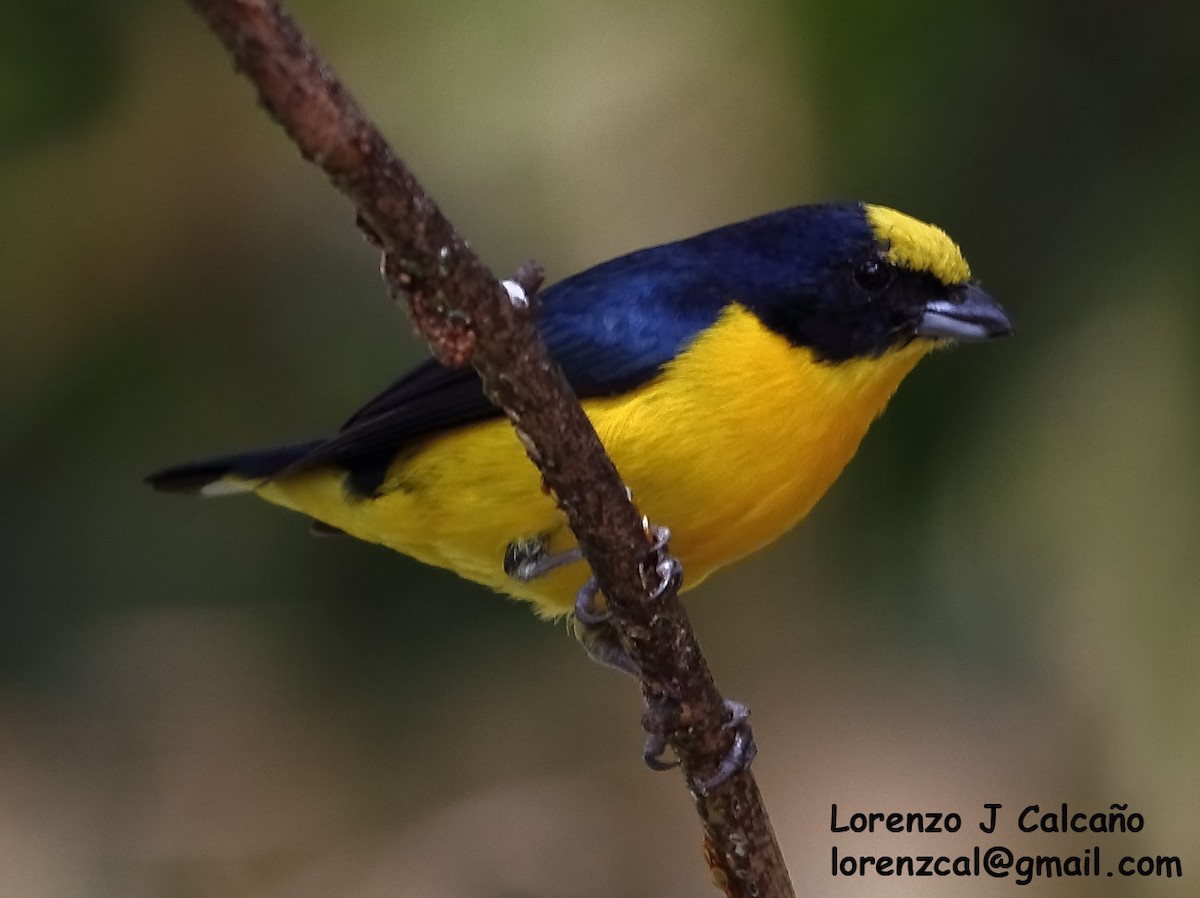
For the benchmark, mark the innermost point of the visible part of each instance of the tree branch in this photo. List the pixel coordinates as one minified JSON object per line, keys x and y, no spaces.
{"x":460,"y":308}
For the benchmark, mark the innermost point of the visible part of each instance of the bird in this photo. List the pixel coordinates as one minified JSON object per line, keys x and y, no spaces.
{"x":730,"y":375}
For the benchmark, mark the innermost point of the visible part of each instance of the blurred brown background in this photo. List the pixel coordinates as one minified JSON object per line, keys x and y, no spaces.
{"x":997,"y":603}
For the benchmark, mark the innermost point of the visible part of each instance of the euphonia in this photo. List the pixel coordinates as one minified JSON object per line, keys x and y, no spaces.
{"x":730,"y":375}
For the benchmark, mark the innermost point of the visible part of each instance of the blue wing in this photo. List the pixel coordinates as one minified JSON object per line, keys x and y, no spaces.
{"x":610,"y":328}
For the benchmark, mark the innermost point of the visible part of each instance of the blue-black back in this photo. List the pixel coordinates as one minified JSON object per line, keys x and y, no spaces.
{"x":610,"y":328}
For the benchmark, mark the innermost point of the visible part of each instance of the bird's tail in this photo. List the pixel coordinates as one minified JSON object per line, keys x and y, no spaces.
{"x":227,"y":474}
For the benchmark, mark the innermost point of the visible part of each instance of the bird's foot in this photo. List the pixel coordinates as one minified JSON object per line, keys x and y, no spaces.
{"x":667,"y":576}
{"x":528,"y":559}
{"x":602,"y":644}
{"x":740,"y":755}
{"x":667,"y":569}
{"x":737,"y":759}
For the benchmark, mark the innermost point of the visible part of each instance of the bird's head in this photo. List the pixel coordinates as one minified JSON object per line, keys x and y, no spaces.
{"x":851,"y":281}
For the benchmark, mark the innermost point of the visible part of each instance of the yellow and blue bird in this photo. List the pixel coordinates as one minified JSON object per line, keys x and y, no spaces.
{"x":730,"y":376}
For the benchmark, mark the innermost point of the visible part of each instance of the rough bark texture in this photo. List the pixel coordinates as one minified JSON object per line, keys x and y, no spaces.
{"x":466,"y":316}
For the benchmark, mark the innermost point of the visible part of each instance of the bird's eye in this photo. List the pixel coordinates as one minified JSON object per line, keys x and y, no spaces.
{"x":873,"y":275}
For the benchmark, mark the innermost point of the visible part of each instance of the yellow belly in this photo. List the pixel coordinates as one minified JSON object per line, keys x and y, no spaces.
{"x":729,"y":447}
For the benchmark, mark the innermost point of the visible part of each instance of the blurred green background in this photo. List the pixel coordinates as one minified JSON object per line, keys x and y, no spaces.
{"x":997,"y":603}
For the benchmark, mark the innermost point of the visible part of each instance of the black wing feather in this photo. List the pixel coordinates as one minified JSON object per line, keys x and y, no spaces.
{"x":429,"y":399}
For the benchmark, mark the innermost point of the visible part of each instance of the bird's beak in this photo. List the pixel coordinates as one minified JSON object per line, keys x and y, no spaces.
{"x":967,"y":314}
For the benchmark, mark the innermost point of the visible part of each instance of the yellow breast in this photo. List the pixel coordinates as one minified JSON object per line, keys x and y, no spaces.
{"x":729,"y":447}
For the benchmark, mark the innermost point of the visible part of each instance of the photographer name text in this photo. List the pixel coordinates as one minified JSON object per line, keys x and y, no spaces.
{"x":1000,"y":861}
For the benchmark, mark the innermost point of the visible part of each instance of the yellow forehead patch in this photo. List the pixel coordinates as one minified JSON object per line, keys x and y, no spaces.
{"x":918,"y":246}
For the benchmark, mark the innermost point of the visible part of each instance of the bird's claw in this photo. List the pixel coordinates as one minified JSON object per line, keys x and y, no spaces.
{"x":668,"y":572}
{"x":585,"y":605}
{"x":737,"y":759}
{"x":670,"y":577}
{"x":659,"y":536}
{"x":740,"y":754}
{"x":652,"y":753}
